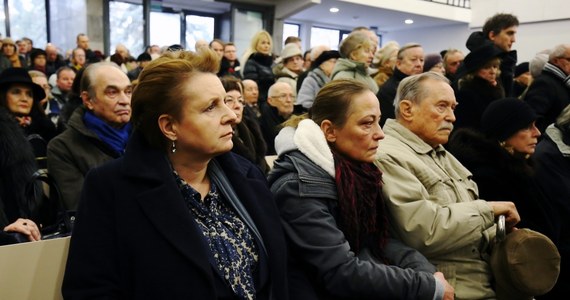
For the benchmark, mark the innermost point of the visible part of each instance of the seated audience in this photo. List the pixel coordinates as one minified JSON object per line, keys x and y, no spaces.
{"x":409,"y":61}
{"x":54,"y":60}
{"x":500,"y":159}
{"x":552,"y":174}
{"x":549,"y":93}
{"x":452,"y":59}
{"x":21,"y":97}
{"x":292,"y":65}
{"x":434,"y":63}
{"x":178,"y":216}
{"x":230,"y":64}
{"x":385,"y":61}
{"x":38,"y":60}
{"x":142,"y":61}
{"x":318,"y":76}
{"x":248,"y":140}
{"x":433,"y":202}
{"x":19,"y":198}
{"x":97,"y":131}
{"x":61,"y":92}
{"x":251,"y":96}
{"x":258,"y":63}
{"x":10,"y":52}
{"x":279,"y":108}
{"x":478,"y":86}
{"x":357,"y":52}
{"x":329,"y":194}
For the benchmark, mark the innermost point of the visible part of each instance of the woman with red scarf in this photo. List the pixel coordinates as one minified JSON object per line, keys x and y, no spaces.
{"x":329,"y":195}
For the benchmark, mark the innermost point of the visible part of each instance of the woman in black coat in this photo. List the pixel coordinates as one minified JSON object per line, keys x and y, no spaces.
{"x":19,"y":194}
{"x":21,"y":97}
{"x":178,"y":216}
{"x":499,"y":158}
{"x":478,"y":86}
{"x":259,"y":63}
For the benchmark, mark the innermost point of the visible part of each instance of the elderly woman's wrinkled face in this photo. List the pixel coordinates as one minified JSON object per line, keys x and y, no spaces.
{"x":524,"y":141}
{"x":205,"y":125}
{"x":490,"y":71}
{"x":19,"y":99}
{"x":363,"y":55}
{"x":358,"y":139}
{"x":235,"y":102}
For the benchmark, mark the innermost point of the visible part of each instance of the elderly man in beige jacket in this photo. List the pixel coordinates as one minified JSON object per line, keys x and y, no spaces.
{"x":433,"y":202}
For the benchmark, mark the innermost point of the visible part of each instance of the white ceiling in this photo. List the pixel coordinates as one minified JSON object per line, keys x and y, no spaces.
{"x":349,"y":16}
{"x":352,"y":15}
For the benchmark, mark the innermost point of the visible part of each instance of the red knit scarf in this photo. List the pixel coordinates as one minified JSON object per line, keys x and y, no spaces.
{"x":363,"y":215}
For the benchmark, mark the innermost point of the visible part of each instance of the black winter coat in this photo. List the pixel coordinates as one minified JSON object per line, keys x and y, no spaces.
{"x":386,"y":95}
{"x":473,"y":98}
{"x":501,"y":176}
{"x":259,"y":69}
{"x":548,"y":96}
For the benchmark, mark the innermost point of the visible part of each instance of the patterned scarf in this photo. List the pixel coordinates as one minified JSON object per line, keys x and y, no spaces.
{"x":553,"y":69}
{"x":363,"y":214}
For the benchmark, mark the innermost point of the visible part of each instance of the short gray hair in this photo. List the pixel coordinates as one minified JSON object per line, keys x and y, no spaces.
{"x":88,"y":80}
{"x":558,"y":51}
{"x":410,"y":88}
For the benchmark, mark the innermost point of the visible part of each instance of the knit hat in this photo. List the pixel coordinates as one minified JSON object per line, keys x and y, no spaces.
{"x":504,"y":117}
{"x":431,"y":60}
{"x":477,"y":58}
{"x":525,"y":264}
{"x":290,"y":50}
{"x":326,"y":55}
{"x":521,"y":69}
{"x":20,"y":75}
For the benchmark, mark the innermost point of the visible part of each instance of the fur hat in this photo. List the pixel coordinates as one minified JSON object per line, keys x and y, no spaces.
{"x":20,"y":75}
{"x":521,"y":69}
{"x":525,"y":264}
{"x":8,"y":41}
{"x":504,"y":117}
{"x":326,"y":55}
{"x":477,"y":58}
{"x":431,"y":60}
{"x":290,"y":50}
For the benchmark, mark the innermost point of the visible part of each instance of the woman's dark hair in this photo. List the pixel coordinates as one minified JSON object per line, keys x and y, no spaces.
{"x":159,"y":90}
{"x":232,"y":83}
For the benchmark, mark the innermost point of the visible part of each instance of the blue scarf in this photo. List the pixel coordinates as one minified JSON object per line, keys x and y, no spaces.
{"x":113,"y":137}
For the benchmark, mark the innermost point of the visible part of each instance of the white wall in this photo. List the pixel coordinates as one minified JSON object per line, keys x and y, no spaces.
{"x":432,"y":39}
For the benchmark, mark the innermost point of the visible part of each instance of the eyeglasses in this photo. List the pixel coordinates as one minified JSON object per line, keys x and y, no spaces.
{"x":284,"y":96}
{"x":232,"y":101}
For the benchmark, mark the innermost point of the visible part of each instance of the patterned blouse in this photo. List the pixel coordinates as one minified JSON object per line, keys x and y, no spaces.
{"x":231,"y":242}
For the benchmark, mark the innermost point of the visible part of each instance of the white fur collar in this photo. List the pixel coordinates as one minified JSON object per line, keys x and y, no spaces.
{"x":311,"y":141}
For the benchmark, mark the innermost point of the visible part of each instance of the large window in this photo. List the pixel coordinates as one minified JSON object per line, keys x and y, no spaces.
{"x":198,"y":28}
{"x":28,"y":19}
{"x":126,"y":24}
{"x":164,"y":28}
{"x":64,"y":23}
{"x":325,"y":36}
{"x":2,"y":20}
{"x":290,"y":29}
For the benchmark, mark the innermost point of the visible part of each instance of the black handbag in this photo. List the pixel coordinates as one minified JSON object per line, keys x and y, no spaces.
{"x":60,"y":220}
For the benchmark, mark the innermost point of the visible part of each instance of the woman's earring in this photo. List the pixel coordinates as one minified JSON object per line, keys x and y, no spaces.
{"x":173,"y":149}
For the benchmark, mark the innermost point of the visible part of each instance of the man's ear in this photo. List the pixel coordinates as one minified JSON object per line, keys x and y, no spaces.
{"x":491,"y":36}
{"x":406,"y":109}
{"x":168,"y":126}
{"x":329,"y":131}
{"x":86,"y":100}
